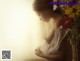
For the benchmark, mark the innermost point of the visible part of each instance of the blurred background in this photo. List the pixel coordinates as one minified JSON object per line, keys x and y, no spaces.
{"x":21,"y":30}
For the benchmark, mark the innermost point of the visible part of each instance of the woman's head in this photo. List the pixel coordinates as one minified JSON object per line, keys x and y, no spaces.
{"x":45,"y":10}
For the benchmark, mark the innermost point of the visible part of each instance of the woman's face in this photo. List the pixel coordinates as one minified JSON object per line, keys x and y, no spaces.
{"x":44,"y":16}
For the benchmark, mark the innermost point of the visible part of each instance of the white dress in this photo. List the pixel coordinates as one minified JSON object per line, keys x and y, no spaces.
{"x":53,"y":47}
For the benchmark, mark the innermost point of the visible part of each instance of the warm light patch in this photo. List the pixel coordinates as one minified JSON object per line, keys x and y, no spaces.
{"x":20,"y":28}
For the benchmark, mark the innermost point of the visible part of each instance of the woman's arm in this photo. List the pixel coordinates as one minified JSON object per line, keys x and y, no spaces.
{"x":55,"y":26}
{"x":50,"y":35}
{"x":58,"y":56}
{"x":64,"y":52}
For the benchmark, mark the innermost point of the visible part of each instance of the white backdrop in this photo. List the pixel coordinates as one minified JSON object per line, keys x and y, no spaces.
{"x":21,"y":31}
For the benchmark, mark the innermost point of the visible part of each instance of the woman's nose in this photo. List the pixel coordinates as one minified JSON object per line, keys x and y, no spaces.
{"x":41,"y":18}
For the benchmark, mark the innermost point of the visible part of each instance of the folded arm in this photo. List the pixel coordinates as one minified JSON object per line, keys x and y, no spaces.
{"x":62,"y":54}
{"x":58,"y":56}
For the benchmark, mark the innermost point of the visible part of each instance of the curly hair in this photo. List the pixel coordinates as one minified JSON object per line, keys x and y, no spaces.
{"x":42,"y":6}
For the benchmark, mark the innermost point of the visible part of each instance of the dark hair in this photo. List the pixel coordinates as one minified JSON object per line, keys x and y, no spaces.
{"x":44,"y":5}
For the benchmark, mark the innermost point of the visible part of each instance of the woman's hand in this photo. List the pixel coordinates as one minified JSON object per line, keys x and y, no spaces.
{"x":38,"y":52}
{"x":50,"y":56}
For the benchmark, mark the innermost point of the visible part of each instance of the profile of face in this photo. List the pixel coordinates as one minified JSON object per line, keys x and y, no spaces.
{"x":44,"y":16}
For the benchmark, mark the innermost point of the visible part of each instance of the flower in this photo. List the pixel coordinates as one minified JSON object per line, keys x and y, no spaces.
{"x":69,"y":12}
{"x":55,"y":0}
{"x":54,"y":7}
{"x":72,"y":11}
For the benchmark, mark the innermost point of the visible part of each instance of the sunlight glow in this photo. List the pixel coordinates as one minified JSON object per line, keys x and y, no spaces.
{"x":21,"y":31}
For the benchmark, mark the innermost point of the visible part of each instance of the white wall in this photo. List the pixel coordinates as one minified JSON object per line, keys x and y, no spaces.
{"x":21,"y":31}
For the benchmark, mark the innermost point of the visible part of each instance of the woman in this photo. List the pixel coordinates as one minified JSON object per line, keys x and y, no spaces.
{"x":56,"y":46}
